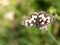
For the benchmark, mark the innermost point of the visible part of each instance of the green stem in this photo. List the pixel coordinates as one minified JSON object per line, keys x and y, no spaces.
{"x":53,"y":38}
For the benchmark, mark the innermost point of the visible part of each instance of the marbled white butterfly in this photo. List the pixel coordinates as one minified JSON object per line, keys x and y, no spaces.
{"x":40,"y":19}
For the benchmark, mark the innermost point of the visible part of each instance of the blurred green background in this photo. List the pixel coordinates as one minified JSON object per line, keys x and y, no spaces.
{"x":13,"y":33}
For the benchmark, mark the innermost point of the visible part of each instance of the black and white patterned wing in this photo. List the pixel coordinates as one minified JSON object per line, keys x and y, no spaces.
{"x":44,"y":20}
{"x":30,"y":21}
{"x":41,"y":20}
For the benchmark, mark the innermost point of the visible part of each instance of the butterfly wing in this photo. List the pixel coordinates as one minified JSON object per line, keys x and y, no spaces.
{"x":30,"y":21}
{"x":44,"y":20}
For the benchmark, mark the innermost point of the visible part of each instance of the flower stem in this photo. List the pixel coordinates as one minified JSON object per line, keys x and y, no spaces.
{"x":53,"y":38}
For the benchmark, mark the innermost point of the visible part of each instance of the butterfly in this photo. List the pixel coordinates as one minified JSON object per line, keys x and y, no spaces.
{"x":39,"y":19}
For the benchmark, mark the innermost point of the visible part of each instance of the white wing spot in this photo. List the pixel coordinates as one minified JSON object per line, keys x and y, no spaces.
{"x":42,"y":23}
